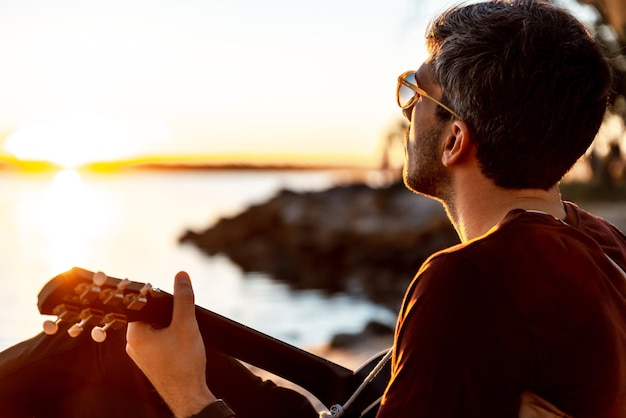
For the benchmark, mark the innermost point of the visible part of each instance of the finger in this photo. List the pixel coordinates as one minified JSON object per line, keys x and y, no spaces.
{"x":184,"y":308}
{"x":136,"y":332}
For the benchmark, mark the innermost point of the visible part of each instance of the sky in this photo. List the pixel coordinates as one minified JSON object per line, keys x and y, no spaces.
{"x":282,"y":80}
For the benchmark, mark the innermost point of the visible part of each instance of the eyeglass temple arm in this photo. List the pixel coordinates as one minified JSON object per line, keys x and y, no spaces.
{"x":423,"y":93}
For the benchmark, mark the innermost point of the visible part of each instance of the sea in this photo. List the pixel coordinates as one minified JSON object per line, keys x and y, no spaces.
{"x":128,"y":224}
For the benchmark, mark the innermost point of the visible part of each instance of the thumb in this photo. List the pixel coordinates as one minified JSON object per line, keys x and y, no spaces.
{"x":184,"y":308}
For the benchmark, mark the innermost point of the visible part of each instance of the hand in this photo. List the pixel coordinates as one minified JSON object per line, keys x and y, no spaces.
{"x":173,"y":358}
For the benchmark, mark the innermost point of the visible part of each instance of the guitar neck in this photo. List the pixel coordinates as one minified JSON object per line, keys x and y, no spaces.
{"x":328,"y":381}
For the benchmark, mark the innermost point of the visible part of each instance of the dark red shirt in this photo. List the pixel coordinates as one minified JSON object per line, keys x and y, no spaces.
{"x":535,"y":304}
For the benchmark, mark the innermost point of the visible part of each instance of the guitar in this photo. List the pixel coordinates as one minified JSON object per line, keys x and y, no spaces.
{"x":105,"y":304}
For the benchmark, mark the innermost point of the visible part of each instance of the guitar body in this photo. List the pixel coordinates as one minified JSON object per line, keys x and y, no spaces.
{"x":103,"y":305}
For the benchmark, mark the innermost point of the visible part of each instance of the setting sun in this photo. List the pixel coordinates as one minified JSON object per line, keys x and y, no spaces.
{"x":81,"y":137}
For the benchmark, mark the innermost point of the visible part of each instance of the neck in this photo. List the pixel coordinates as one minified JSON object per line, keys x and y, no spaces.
{"x":474,"y":211}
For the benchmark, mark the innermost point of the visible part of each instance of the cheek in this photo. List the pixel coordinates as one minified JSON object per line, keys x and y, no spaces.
{"x":407,"y":137}
{"x":409,"y":141}
{"x":411,"y":133}
{"x":411,"y":149}
{"x":417,"y":122}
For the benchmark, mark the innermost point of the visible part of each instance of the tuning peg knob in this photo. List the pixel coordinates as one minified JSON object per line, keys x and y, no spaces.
{"x":51,"y":327}
{"x":86,"y":316}
{"x":63,"y":313}
{"x":99,"y":278}
{"x":111,"y":321}
{"x":123,"y":284}
{"x":99,"y":334}
{"x":138,"y":301}
{"x":76,"y":329}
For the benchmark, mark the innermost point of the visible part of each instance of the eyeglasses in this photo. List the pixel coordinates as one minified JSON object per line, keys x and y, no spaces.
{"x":408,"y":92}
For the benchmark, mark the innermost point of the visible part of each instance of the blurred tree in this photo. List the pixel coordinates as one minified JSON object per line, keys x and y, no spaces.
{"x":612,"y":13}
{"x":606,"y":157}
{"x":392,"y":153}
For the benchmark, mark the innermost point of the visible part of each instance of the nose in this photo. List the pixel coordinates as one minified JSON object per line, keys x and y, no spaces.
{"x":407,"y":113}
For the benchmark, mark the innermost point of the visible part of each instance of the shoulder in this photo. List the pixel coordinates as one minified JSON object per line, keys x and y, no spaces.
{"x":520,"y":235}
{"x":525,"y":252}
{"x":461,"y":284}
{"x":524,"y":240}
{"x":608,"y":236}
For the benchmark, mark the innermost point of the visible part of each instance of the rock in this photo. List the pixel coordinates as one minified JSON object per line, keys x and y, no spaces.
{"x":373,"y":329}
{"x":354,"y":238}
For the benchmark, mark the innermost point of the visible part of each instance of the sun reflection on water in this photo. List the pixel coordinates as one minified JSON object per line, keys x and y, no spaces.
{"x":69,"y":216}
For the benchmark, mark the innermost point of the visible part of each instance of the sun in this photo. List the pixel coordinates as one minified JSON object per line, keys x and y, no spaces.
{"x":77,"y":138}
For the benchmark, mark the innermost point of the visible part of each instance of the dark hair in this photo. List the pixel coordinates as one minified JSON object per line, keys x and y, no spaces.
{"x":529,"y":79}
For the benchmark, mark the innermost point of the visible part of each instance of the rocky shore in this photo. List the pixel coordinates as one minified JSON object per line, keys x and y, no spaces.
{"x":364,"y":241}
{"x":356,"y":239}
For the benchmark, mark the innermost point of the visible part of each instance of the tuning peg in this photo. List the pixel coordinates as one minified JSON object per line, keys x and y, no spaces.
{"x":51,"y":327}
{"x":123,"y":284}
{"x":115,"y":296}
{"x":99,"y":278}
{"x":137,"y":301}
{"x":145,"y":289}
{"x":99,"y":334}
{"x":87,"y":292}
{"x":63,"y":313}
{"x":76,"y":329}
{"x":86,"y":316}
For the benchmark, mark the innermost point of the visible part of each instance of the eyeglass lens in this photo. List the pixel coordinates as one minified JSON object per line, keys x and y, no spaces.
{"x":406,"y":95}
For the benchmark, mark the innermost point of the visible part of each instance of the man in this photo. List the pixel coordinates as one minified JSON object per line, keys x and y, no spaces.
{"x":532,"y":304}
{"x":526,"y":316}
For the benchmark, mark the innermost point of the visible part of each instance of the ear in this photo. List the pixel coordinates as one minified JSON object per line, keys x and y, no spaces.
{"x":458,"y":144}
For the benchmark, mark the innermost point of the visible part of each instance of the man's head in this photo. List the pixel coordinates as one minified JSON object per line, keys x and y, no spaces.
{"x":528,"y":79}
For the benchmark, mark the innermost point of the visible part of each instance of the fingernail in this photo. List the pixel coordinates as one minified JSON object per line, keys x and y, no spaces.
{"x":182,"y":277}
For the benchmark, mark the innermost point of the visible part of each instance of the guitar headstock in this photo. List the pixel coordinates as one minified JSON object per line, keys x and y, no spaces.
{"x":93,"y":299}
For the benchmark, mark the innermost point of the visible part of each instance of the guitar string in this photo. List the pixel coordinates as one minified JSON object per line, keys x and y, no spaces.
{"x":337,"y":410}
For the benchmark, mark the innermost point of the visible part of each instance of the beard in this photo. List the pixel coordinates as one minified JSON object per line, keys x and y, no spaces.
{"x":423,"y":172}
